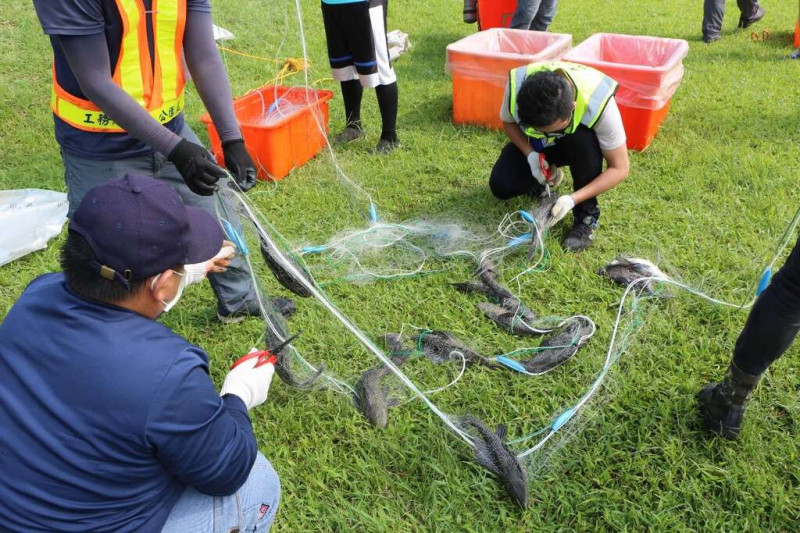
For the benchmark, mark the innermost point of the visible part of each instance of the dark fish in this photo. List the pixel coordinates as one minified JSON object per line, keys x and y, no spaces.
{"x":542,"y":212}
{"x":508,"y":320}
{"x":544,"y":220}
{"x":283,"y":367}
{"x":395,"y":343}
{"x":626,"y":270}
{"x":492,"y":453}
{"x":487,"y":274}
{"x":562,"y":346}
{"x":469,"y":287}
{"x":372,"y":399}
{"x":283,"y":276}
{"x":438,"y":346}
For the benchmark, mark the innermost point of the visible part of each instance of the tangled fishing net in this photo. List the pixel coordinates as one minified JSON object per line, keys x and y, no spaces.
{"x":401,"y":365}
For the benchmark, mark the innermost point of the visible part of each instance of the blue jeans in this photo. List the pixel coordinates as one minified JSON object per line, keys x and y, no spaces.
{"x":252,"y":508}
{"x":534,"y":15}
{"x":233,"y":288}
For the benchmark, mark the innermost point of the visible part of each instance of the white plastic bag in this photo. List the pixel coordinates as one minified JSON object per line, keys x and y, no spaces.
{"x":398,"y":44}
{"x":29,"y":218}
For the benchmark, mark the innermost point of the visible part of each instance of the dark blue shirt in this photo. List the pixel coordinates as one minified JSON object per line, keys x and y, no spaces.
{"x":106,"y":416}
{"x":90,"y":17}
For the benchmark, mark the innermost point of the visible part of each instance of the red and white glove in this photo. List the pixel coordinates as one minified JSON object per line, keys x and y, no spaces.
{"x":248,"y":381}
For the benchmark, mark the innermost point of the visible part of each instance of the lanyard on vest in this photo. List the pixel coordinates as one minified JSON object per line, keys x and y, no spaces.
{"x":155,"y":84}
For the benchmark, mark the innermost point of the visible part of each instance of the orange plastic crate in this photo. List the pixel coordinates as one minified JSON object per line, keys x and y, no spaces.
{"x":648,"y":70}
{"x":641,"y":125}
{"x":479,"y":65}
{"x":282,"y":127}
{"x":495,"y":13}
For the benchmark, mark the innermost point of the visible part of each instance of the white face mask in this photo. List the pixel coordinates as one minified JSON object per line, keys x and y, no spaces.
{"x":181,"y":285}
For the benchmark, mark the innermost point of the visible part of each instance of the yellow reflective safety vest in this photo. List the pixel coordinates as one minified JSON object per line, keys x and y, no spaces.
{"x":157,"y":84}
{"x":593,"y":90}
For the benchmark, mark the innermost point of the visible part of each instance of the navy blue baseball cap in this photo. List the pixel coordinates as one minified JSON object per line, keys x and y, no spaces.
{"x":139,"y":227}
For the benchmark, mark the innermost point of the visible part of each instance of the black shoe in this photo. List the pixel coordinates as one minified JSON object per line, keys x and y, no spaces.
{"x":581,"y":236}
{"x":385,"y":146}
{"x":722,"y":405}
{"x":349,"y":134}
{"x":284,"y":306}
{"x":708,"y":39}
{"x":746,"y":22}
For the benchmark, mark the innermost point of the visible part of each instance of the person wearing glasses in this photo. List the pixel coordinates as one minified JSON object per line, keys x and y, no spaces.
{"x":560,"y":114}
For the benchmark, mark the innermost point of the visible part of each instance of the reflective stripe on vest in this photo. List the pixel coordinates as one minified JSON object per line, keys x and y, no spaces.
{"x":593,"y":90}
{"x":157,"y":88}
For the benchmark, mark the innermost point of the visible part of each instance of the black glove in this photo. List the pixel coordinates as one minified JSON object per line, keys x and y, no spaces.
{"x":198,"y":169}
{"x":239,"y":163}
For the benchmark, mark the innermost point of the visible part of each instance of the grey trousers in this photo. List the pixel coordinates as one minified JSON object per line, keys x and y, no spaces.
{"x":233,"y":288}
{"x":714,"y":12}
{"x":534,"y":15}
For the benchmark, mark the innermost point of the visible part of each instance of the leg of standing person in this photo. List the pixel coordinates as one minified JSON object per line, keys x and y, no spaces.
{"x":386,"y":91}
{"x":81,"y":174}
{"x":511,"y":175}
{"x":751,"y":12}
{"x":544,"y":17}
{"x":234,"y":288}
{"x":252,"y":508}
{"x":525,"y":13}
{"x":770,"y":330}
{"x":581,"y":152}
{"x":713,"y":15}
{"x":341,"y":59}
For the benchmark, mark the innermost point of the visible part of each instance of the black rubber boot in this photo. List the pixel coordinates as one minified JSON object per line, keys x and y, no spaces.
{"x":722,"y":404}
{"x":581,"y":236}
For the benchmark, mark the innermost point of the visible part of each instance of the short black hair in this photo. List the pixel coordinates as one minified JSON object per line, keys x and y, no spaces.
{"x":545,"y":97}
{"x":85,"y":280}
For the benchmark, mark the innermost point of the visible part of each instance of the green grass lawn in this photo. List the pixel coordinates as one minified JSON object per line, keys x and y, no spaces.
{"x":708,"y":200}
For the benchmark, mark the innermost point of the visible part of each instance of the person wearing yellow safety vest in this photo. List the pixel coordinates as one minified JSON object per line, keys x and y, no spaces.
{"x":560,"y":114}
{"x":118,"y":98}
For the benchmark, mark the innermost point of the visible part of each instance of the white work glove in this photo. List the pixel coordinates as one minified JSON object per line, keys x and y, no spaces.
{"x":248,"y":382}
{"x":197,"y":272}
{"x":563,"y":205}
{"x":536,"y":169}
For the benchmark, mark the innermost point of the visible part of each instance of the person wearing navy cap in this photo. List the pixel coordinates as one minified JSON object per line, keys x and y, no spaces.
{"x":109,"y":419}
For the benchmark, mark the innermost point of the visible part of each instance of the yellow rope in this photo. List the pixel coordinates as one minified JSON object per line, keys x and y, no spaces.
{"x":289,"y":66}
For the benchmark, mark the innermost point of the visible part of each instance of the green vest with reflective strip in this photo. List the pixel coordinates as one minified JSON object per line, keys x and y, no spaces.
{"x":593,"y":90}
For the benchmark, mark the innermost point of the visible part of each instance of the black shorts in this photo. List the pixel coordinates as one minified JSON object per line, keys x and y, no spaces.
{"x":356,"y":37}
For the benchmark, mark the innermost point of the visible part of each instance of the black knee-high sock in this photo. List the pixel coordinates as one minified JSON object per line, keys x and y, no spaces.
{"x":387,"y":102}
{"x":352,"y":92}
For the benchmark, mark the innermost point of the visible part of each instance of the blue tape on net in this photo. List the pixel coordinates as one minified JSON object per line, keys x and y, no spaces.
{"x":510,"y":363}
{"x":313,"y":249}
{"x":527,"y":217}
{"x":766,"y":277}
{"x":516,"y":241}
{"x":562,"y":419}
{"x":234,"y":236}
{"x":373,"y":212}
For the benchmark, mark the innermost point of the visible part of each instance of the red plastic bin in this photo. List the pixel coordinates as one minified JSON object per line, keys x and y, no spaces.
{"x":648,"y":69}
{"x":282,"y":127}
{"x":479,"y":65}
{"x":495,"y":13}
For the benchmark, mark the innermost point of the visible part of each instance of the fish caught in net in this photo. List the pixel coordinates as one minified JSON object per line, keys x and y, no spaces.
{"x":372,"y":397}
{"x":627,"y":270}
{"x":491,"y":452}
{"x":557,"y":349}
